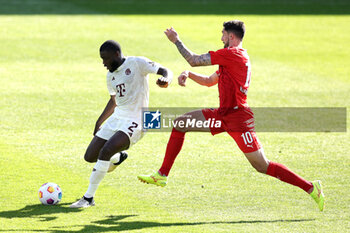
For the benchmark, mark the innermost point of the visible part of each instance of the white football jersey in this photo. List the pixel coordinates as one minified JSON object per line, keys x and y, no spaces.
{"x":129,"y":84}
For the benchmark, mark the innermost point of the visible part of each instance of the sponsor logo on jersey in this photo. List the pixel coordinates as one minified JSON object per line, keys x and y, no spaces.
{"x":120,"y":89}
{"x":152,"y":119}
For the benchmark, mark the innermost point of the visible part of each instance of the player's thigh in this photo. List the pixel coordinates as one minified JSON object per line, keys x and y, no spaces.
{"x":93,"y":149}
{"x":118,"y":142}
{"x":246,"y":141}
{"x":191,"y":122}
{"x":250,"y":145}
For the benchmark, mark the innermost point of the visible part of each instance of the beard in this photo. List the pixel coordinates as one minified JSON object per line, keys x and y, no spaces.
{"x":226,"y":45}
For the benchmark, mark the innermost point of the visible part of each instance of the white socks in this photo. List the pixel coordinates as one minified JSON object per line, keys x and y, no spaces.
{"x":99,"y":171}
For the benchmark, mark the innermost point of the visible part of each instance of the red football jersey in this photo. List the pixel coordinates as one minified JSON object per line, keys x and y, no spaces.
{"x":234,"y":77}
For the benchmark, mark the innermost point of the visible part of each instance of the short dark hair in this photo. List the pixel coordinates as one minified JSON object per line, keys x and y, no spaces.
{"x":236,"y":27}
{"x":110,"y":45}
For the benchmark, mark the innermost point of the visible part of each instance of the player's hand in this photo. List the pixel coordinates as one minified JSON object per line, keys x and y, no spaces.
{"x":97,"y":127}
{"x":162,"y":82}
{"x":171,"y":34}
{"x":182,"y":78}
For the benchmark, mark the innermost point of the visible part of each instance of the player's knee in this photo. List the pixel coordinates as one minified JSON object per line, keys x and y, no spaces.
{"x":90,"y":159}
{"x":261,"y":168}
{"x":106,"y":153}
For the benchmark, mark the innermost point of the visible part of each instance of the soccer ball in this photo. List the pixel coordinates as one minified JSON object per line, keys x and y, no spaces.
{"x":50,"y":194}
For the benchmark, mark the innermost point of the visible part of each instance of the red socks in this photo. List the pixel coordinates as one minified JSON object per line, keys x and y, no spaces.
{"x":173,"y":149}
{"x":282,"y":173}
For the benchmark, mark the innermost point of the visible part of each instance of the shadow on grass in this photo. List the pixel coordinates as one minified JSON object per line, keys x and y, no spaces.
{"x":39,"y":211}
{"x":187,"y":7}
{"x":114,"y":224}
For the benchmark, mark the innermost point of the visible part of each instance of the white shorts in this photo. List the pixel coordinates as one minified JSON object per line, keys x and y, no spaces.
{"x":131,"y":127}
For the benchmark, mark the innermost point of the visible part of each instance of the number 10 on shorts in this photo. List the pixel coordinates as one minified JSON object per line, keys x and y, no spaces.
{"x":247,"y":137}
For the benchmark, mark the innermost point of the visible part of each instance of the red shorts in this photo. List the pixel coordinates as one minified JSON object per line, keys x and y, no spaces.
{"x":239,"y":124}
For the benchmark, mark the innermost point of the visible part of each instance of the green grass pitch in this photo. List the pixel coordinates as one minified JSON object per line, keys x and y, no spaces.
{"x":53,"y":89}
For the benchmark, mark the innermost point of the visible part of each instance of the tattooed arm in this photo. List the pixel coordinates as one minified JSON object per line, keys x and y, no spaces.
{"x":192,"y":58}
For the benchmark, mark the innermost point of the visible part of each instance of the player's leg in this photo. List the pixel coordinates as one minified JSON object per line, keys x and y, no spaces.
{"x":174,"y":146}
{"x":248,"y":142}
{"x":116,"y":160}
{"x":251,"y":147}
{"x":259,"y":161}
{"x":197,"y":115}
{"x":177,"y":138}
{"x":118,"y":142}
{"x":93,"y":149}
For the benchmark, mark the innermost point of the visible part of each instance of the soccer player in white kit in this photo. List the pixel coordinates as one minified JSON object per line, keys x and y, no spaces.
{"x":127,"y":83}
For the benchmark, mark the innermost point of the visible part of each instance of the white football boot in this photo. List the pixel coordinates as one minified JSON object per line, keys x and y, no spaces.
{"x":82,"y":203}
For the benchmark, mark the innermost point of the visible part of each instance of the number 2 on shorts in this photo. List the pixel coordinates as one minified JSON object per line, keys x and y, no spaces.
{"x":134,"y":125}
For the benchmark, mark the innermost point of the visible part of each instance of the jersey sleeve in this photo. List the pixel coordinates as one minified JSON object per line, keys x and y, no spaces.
{"x":220,"y":57}
{"x":147,"y":66}
{"x":109,"y":85}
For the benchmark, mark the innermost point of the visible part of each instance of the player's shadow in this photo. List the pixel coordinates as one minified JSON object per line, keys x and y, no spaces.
{"x":116,"y":223}
{"x":39,"y":211}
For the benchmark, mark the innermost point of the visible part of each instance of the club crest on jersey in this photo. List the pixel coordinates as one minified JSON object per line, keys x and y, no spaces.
{"x":127,"y":71}
{"x":113,"y":78}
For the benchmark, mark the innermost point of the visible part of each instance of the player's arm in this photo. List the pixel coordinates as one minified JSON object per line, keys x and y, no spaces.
{"x":192,"y":58}
{"x":166,"y":77}
{"x":198,"y":78}
{"x":107,"y":112}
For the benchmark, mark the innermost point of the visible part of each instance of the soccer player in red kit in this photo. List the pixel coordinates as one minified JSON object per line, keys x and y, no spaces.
{"x":237,"y":119}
